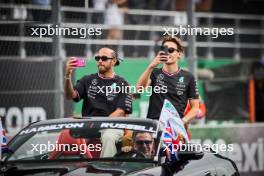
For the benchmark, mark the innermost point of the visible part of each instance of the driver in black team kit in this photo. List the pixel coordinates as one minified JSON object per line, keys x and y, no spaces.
{"x":99,"y":97}
{"x":180,"y":84}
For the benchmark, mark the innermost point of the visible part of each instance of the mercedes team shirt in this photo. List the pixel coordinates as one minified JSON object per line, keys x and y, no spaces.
{"x":102,"y":96}
{"x":180,"y":86}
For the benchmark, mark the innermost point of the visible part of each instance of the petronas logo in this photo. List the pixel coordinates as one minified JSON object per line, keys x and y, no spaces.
{"x":181,"y":79}
{"x":113,"y":85}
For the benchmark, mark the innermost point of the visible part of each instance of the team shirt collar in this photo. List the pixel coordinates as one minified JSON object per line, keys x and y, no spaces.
{"x":171,"y":74}
{"x":114,"y":75}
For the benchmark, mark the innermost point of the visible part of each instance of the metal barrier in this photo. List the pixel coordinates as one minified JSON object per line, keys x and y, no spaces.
{"x":207,"y":46}
{"x":139,"y":40}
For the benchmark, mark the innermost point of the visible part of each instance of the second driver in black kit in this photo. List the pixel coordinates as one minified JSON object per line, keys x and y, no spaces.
{"x":180,"y":84}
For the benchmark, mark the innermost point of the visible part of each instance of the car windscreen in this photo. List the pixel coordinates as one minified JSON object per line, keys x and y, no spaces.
{"x":85,"y":140}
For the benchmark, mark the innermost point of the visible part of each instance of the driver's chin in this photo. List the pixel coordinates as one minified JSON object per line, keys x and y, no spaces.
{"x":170,"y":61}
{"x":101,"y":69}
{"x":146,"y":152}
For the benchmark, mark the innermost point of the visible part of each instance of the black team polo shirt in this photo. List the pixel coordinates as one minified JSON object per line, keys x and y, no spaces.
{"x":181,"y":86}
{"x":101,"y":96}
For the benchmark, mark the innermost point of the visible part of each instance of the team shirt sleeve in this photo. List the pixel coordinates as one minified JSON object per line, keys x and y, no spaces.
{"x":125,"y":100}
{"x":152,"y":76}
{"x":192,"y":92}
{"x":80,"y":89}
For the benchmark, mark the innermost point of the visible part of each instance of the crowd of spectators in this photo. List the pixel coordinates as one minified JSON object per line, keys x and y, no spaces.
{"x":113,"y":13}
{"x":240,"y":6}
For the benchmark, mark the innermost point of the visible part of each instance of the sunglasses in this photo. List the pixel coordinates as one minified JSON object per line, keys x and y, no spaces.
{"x":143,"y":142}
{"x":168,"y":50}
{"x":103,"y":58}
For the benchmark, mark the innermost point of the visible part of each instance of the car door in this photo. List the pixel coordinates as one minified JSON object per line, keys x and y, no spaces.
{"x":200,"y":167}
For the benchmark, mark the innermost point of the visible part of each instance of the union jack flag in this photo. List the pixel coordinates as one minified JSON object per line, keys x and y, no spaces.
{"x":174,"y":132}
{"x":167,"y":136}
{"x":3,"y":140}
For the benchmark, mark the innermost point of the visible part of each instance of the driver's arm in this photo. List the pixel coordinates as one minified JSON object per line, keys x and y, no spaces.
{"x":193,"y":111}
{"x":70,"y":93}
{"x":118,"y":113}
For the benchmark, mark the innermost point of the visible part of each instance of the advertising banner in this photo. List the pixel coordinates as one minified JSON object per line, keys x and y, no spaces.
{"x":247,"y":144}
{"x":27,"y":92}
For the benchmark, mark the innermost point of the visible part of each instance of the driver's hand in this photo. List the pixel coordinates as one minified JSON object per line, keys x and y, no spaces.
{"x":70,"y":65}
{"x":126,"y":148}
{"x":127,"y":139}
{"x":156,"y":61}
{"x":182,"y":139}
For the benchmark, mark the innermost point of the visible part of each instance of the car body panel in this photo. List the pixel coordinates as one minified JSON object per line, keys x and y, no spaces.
{"x":209,"y":164}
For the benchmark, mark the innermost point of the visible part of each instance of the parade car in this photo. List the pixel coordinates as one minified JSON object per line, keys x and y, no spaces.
{"x":73,"y":146}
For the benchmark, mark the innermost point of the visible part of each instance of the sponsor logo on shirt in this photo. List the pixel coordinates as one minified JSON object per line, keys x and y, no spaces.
{"x":94,"y":82}
{"x":179,"y":92}
{"x":113,"y":85}
{"x":180,"y":86}
{"x":160,"y":79}
{"x":181,"y":79}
